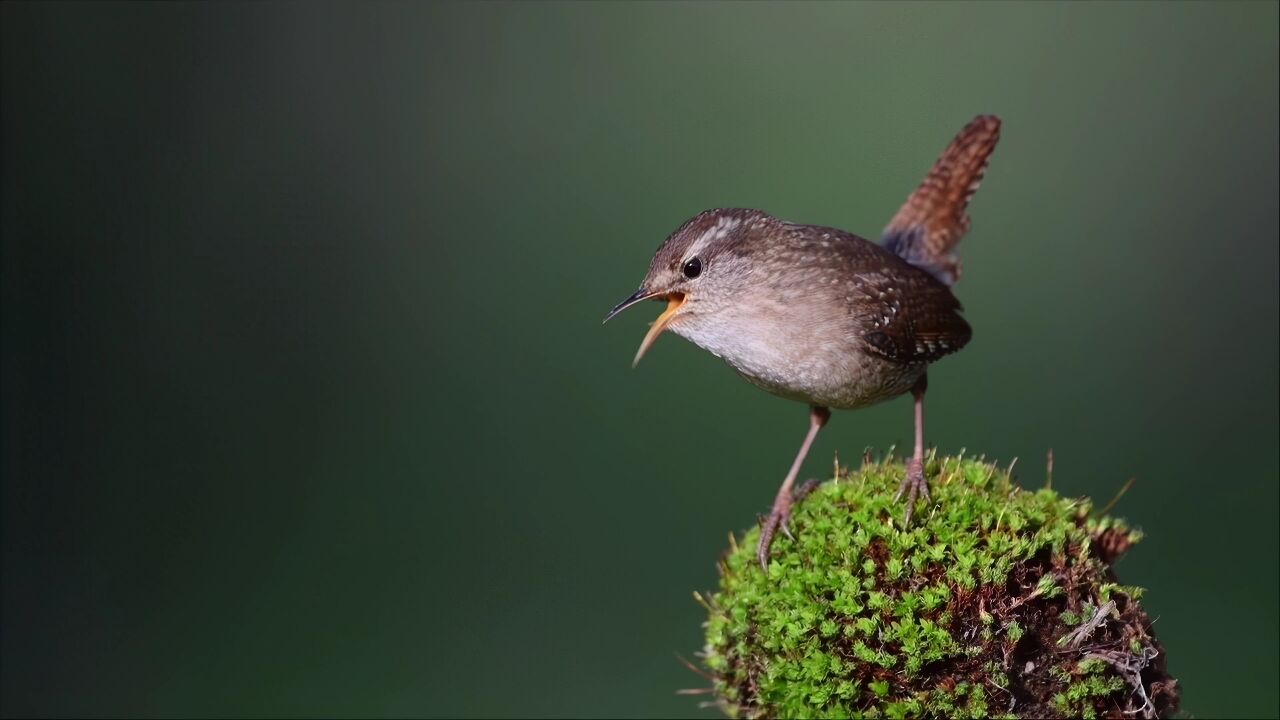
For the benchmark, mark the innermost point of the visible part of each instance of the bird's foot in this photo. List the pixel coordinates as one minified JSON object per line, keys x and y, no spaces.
{"x":914,"y":485}
{"x":780,"y":519}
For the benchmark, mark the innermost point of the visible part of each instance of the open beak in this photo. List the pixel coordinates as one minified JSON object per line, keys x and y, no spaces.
{"x":637,"y":296}
{"x":674,"y":301}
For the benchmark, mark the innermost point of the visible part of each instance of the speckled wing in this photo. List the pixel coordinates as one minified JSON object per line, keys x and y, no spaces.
{"x":913,"y":319}
{"x":931,"y":223}
{"x":902,"y":313}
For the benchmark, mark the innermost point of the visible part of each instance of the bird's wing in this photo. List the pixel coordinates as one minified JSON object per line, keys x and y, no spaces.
{"x":912,"y":318}
{"x":901,"y":312}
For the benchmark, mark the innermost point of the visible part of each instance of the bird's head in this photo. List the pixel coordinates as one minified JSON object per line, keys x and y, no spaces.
{"x":703,"y":267}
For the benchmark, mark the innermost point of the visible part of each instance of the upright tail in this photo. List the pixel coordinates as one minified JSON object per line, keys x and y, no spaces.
{"x":933,"y":220}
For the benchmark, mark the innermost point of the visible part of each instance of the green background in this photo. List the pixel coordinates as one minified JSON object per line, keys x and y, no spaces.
{"x":308,"y":408}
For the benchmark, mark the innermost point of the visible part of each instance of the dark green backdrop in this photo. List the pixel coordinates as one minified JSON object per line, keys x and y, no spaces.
{"x":308,"y":408}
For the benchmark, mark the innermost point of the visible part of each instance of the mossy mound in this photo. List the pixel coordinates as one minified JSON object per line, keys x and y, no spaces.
{"x":998,"y":601}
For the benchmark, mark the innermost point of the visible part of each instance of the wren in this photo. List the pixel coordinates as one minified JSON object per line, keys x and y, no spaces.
{"x":820,"y":315}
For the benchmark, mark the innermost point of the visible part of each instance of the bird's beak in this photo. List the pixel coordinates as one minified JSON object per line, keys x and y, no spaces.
{"x":637,"y":296}
{"x":674,"y":301}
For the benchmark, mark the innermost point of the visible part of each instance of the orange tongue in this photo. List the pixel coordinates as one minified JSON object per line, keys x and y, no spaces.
{"x":673,"y":304}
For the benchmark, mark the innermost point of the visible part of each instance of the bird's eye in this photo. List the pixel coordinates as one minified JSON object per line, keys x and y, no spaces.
{"x":693,"y":268}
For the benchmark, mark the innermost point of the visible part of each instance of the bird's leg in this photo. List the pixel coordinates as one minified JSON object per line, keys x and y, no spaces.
{"x":781,"y":513}
{"x":915,"y":484}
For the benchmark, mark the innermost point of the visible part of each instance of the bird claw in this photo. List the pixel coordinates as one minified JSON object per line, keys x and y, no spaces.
{"x":809,"y":486}
{"x":915,"y":485}
{"x":780,"y":519}
{"x":785,"y":527}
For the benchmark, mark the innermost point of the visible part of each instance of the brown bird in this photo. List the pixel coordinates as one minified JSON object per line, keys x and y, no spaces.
{"x":820,"y":315}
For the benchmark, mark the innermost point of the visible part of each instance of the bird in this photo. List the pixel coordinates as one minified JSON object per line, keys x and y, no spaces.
{"x":822,"y":316}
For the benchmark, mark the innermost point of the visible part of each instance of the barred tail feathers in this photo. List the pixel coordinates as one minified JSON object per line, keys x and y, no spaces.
{"x":931,"y":223}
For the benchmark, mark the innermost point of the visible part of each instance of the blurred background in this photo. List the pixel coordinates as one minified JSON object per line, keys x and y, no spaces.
{"x":308,"y":408}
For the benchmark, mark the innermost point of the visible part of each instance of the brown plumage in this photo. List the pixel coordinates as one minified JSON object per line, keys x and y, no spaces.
{"x":934,"y":218}
{"x":820,"y":315}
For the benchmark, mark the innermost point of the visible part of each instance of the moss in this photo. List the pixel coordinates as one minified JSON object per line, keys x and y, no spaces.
{"x":997,"y":601}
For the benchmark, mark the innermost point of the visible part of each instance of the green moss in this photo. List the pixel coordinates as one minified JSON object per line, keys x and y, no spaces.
{"x":960,"y":615}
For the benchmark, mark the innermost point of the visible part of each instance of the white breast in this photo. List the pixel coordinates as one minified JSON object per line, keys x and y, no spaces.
{"x":799,"y":356}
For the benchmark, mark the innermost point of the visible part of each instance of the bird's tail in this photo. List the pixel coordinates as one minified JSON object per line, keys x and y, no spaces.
{"x":927,"y":228}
